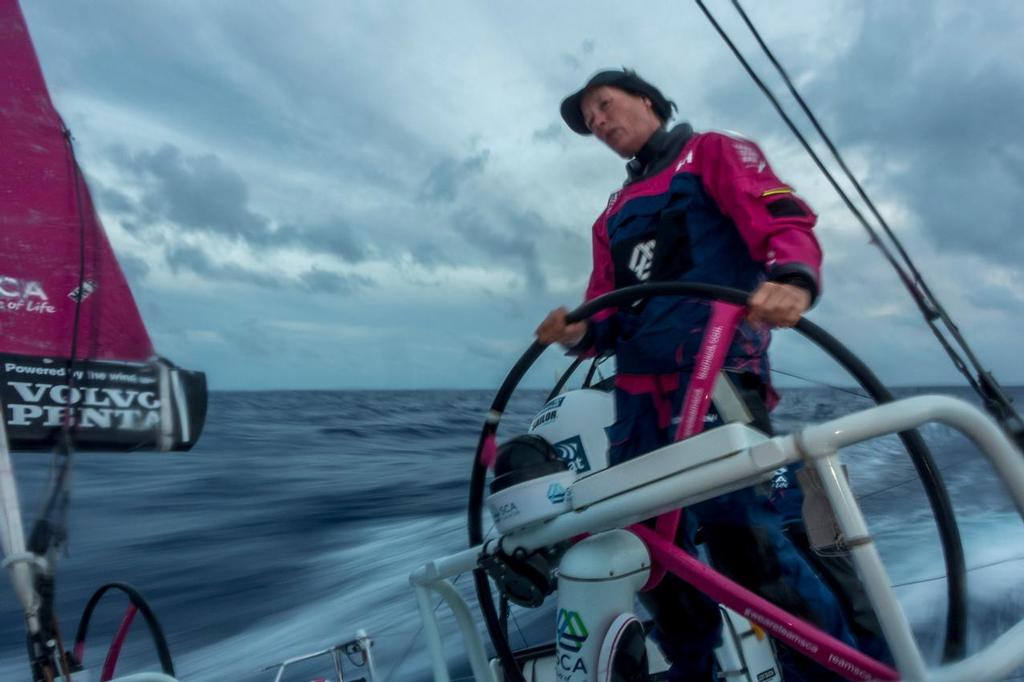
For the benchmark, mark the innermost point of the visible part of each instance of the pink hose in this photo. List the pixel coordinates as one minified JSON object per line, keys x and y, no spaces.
{"x":714,"y":346}
{"x":117,"y":643}
{"x":804,"y":638}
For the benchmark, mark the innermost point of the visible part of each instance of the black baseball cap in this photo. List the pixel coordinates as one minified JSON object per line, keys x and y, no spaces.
{"x":624,"y":79}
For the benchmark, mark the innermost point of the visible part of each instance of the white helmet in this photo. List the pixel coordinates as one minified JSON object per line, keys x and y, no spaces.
{"x":574,"y":423}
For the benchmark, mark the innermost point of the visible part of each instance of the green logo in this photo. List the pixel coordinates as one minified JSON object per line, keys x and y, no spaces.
{"x":572,"y":633}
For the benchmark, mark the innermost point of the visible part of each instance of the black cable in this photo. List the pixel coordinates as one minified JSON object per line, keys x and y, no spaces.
{"x":80,"y":295}
{"x":927,"y":309}
{"x":595,"y":368}
{"x":995,"y":401}
{"x":475,"y":510}
{"x":832,"y":148}
{"x":138,"y":601}
{"x":803,"y":141}
{"x":985,"y":385}
{"x":503,"y":612}
{"x":566,"y":375}
{"x":930,"y":307}
{"x":932,"y":299}
{"x":49,"y":531}
{"x":39,"y":533}
{"x":46,"y":530}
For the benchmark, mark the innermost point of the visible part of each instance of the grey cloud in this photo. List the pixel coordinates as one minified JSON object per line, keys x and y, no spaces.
{"x":447,"y":176}
{"x":189,"y":258}
{"x":575,"y":61}
{"x":199,"y":193}
{"x":430,"y":255}
{"x":132,"y":227}
{"x":109,"y":199}
{"x":572,"y":61}
{"x":997,"y":299}
{"x":937,"y":112}
{"x":335,"y":238}
{"x":507,"y":237}
{"x":324,"y":281}
{"x":949,"y":114}
{"x":135,"y":269}
{"x":251,"y":337}
{"x":554,"y":132}
{"x":485,"y":348}
{"x":314,"y":280}
{"x":1012,"y":160}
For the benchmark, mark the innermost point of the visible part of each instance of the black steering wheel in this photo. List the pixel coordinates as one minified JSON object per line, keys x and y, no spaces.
{"x":938,"y":496}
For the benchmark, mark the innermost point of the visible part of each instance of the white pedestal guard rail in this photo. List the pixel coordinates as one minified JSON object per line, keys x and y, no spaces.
{"x":644,"y":487}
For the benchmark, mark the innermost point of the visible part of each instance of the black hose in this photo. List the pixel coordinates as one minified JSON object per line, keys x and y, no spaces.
{"x":938,"y":496}
{"x":139,"y":602}
{"x":955,"y":646}
{"x":476,"y":499}
{"x":566,"y":375}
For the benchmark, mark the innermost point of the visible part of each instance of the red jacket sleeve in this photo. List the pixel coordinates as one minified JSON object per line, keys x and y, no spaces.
{"x":602,"y":277}
{"x":600,"y":332}
{"x":775,"y":223}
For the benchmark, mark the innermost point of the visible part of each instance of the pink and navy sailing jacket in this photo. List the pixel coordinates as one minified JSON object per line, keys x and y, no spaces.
{"x":697,"y":208}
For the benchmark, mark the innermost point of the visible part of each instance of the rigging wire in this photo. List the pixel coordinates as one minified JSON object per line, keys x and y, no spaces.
{"x":519,"y":630}
{"x":907,"y":481}
{"x":990,"y":564}
{"x":822,"y":383}
{"x":51,"y":526}
{"x":934,"y":308}
{"x":994,"y":398}
{"x":873,"y":493}
{"x":49,"y":532}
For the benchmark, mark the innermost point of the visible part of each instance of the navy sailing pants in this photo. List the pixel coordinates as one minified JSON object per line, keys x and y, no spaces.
{"x":743,"y":534}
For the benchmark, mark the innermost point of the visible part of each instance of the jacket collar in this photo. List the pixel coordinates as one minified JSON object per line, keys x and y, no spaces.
{"x":659,"y":150}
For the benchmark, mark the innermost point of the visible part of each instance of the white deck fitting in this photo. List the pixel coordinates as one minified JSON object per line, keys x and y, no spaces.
{"x":664,"y":462}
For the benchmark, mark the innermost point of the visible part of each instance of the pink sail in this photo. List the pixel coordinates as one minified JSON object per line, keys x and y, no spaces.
{"x":51,"y":240}
{"x":75,"y":357}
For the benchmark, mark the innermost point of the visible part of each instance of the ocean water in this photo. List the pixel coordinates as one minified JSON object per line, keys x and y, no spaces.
{"x":298,"y":517}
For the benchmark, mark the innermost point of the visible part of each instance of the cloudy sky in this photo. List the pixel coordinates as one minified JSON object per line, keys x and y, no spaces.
{"x":327,"y":194}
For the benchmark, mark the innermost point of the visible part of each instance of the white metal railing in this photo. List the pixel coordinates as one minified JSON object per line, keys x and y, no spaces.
{"x":719,"y":472}
{"x":360,"y":645}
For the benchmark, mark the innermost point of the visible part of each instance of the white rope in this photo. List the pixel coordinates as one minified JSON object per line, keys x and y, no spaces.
{"x":25,"y":557}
